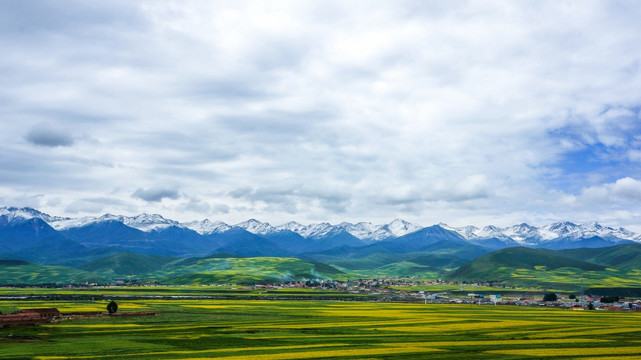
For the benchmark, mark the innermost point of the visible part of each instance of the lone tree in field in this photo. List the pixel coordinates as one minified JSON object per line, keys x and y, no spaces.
{"x":550,"y":297}
{"x":112,"y":307}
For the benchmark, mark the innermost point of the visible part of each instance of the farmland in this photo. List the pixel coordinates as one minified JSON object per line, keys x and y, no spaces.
{"x":322,"y":329}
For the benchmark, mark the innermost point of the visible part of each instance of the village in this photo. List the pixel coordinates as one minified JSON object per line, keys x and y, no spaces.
{"x":516,"y":296}
{"x":371,"y":290}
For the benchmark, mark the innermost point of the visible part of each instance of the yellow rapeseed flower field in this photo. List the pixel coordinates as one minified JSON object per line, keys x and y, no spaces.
{"x":244,"y":329}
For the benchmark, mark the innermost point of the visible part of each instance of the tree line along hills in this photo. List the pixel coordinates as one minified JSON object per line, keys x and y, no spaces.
{"x":36,"y":248}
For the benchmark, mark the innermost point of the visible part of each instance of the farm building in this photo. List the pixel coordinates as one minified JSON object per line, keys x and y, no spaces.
{"x":29,"y":317}
{"x":44,"y":313}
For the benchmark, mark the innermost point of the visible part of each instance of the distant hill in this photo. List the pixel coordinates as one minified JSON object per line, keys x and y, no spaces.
{"x":395,"y":258}
{"x":624,"y":256}
{"x":213,"y":270}
{"x":127,"y":263}
{"x":17,"y":272}
{"x":500,"y":265}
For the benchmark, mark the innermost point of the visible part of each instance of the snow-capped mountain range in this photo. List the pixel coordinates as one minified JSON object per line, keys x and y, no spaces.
{"x":528,"y":235}
{"x":361,"y":230}
{"x":521,"y":234}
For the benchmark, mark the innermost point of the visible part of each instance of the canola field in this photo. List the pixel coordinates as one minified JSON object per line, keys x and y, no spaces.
{"x":230,"y":330}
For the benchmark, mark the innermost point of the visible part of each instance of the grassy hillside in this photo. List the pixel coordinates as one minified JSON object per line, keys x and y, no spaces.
{"x":167,"y":270}
{"x":623,"y":257}
{"x":127,"y":263}
{"x":241,"y":270}
{"x":525,"y":266}
{"x":385,"y":259}
{"x":617,"y":266}
{"x":15,"y":272}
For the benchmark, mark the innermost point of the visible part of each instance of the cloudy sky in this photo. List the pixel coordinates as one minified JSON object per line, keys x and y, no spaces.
{"x":431,"y":111}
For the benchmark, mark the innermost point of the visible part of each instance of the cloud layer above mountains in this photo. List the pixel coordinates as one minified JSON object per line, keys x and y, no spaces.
{"x":462,"y":112}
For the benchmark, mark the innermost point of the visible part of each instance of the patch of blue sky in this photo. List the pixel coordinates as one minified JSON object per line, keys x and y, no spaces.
{"x":597,"y":153}
{"x":581,"y":169}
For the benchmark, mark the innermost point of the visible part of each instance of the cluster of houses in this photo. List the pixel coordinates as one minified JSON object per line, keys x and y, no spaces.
{"x":386,"y":286}
{"x":580,"y":303}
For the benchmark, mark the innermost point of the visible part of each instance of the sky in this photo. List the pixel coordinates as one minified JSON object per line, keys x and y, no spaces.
{"x":463,"y":112}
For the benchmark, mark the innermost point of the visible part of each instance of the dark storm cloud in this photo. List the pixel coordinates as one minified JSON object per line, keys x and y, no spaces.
{"x":155,"y":194}
{"x":49,"y":137}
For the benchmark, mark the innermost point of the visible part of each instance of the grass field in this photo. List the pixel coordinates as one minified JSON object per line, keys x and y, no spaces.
{"x":198,"y":329}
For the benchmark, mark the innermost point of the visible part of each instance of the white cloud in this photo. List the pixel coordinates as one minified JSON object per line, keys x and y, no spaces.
{"x":624,"y":190}
{"x":320,"y":110}
{"x":634,"y":155}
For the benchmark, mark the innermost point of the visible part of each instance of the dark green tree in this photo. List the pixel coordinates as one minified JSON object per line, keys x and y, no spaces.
{"x":112,"y":307}
{"x":572,"y":296}
{"x":550,"y":297}
{"x":610,"y":299}
{"x":590,"y":306}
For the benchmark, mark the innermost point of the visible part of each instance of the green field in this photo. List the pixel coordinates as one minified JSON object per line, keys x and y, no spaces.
{"x":199,"y":329}
{"x":235,"y":292}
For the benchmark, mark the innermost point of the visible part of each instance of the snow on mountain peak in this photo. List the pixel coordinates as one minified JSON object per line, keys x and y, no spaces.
{"x":371,"y":232}
{"x":468,"y":232}
{"x":256,"y":227}
{"x":362,"y":230}
{"x":316,"y":230}
{"x":400,"y":227}
{"x":207,"y":227}
{"x":147,"y":222}
{"x":26,"y":213}
{"x":490,"y":231}
{"x":292,"y":226}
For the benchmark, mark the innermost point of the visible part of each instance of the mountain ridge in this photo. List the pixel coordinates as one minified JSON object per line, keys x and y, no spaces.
{"x":30,"y":235}
{"x":521,"y":234}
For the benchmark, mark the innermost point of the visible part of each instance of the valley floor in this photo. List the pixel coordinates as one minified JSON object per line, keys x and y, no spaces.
{"x":240,"y":329}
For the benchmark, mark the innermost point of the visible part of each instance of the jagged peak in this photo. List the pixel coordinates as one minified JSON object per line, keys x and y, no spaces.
{"x":256,"y":227}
